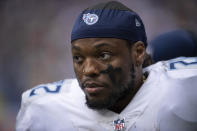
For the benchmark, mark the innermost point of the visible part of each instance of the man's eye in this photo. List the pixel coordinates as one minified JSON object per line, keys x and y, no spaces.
{"x":78,"y":59}
{"x":105,"y":55}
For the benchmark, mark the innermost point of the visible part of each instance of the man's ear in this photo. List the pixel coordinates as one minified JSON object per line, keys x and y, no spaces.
{"x":138,"y":52}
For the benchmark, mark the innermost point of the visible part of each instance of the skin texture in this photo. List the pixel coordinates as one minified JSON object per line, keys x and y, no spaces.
{"x":109,"y":71}
{"x":147,"y":61}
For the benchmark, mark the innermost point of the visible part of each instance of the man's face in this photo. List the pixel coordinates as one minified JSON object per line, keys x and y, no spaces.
{"x":103,"y":67}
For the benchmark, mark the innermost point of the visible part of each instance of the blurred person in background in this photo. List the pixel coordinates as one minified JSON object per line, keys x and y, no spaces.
{"x":110,"y":92}
{"x":172,"y":44}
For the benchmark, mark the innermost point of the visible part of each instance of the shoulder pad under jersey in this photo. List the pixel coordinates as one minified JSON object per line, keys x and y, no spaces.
{"x":178,"y":111}
{"x":42,"y":90}
{"x":180,"y":67}
{"x":182,"y":63}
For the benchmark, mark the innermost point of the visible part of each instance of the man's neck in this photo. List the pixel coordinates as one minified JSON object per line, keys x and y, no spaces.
{"x":124,"y":101}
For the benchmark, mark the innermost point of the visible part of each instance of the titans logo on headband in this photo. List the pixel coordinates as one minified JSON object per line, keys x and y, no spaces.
{"x":90,"y":19}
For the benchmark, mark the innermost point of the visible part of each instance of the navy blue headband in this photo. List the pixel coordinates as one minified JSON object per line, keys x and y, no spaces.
{"x":109,"y":23}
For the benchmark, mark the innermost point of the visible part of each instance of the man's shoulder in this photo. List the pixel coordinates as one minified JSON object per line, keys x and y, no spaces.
{"x":47,"y":105}
{"x":179,"y":106}
{"x":177,"y":63}
{"x":49,"y":90}
{"x":182,"y":63}
{"x":181,"y":67}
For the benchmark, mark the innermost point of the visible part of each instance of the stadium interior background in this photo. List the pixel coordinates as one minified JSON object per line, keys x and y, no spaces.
{"x":35,"y":41}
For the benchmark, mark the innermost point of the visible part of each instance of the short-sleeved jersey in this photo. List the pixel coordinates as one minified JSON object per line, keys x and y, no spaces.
{"x":167,"y":101}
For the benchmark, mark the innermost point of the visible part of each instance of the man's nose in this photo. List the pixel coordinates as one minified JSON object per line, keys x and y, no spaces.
{"x":91,"y":67}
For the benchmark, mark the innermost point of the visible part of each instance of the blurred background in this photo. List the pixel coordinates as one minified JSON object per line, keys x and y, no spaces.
{"x":35,"y":41}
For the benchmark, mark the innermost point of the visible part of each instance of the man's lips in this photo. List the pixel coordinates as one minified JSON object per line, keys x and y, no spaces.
{"x":93,"y":87}
{"x":94,"y":90}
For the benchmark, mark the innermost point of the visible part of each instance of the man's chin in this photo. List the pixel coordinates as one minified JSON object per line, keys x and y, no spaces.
{"x":100,"y":104}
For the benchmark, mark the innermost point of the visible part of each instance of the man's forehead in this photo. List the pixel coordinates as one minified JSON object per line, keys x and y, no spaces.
{"x":99,"y":41}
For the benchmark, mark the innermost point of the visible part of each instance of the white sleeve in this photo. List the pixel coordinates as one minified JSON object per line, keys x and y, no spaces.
{"x":179,"y":112}
{"x":42,"y":110}
{"x":23,"y":120}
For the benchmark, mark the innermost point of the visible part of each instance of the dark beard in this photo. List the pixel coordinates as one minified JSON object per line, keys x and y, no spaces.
{"x":121,"y":93}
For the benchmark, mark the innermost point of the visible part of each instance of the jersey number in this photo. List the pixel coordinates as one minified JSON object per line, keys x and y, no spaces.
{"x":185,"y":64}
{"x":45,"y":89}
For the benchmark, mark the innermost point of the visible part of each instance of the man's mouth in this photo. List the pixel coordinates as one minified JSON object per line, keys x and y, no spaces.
{"x":93,"y":88}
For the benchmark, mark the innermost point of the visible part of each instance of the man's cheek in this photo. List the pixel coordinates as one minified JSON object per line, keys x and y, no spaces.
{"x":78,"y":74}
{"x":114,"y":73}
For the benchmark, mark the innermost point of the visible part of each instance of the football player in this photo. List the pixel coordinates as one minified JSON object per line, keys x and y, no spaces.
{"x":110,"y":93}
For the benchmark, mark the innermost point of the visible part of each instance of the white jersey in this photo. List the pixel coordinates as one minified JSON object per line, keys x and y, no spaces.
{"x":167,"y":101}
